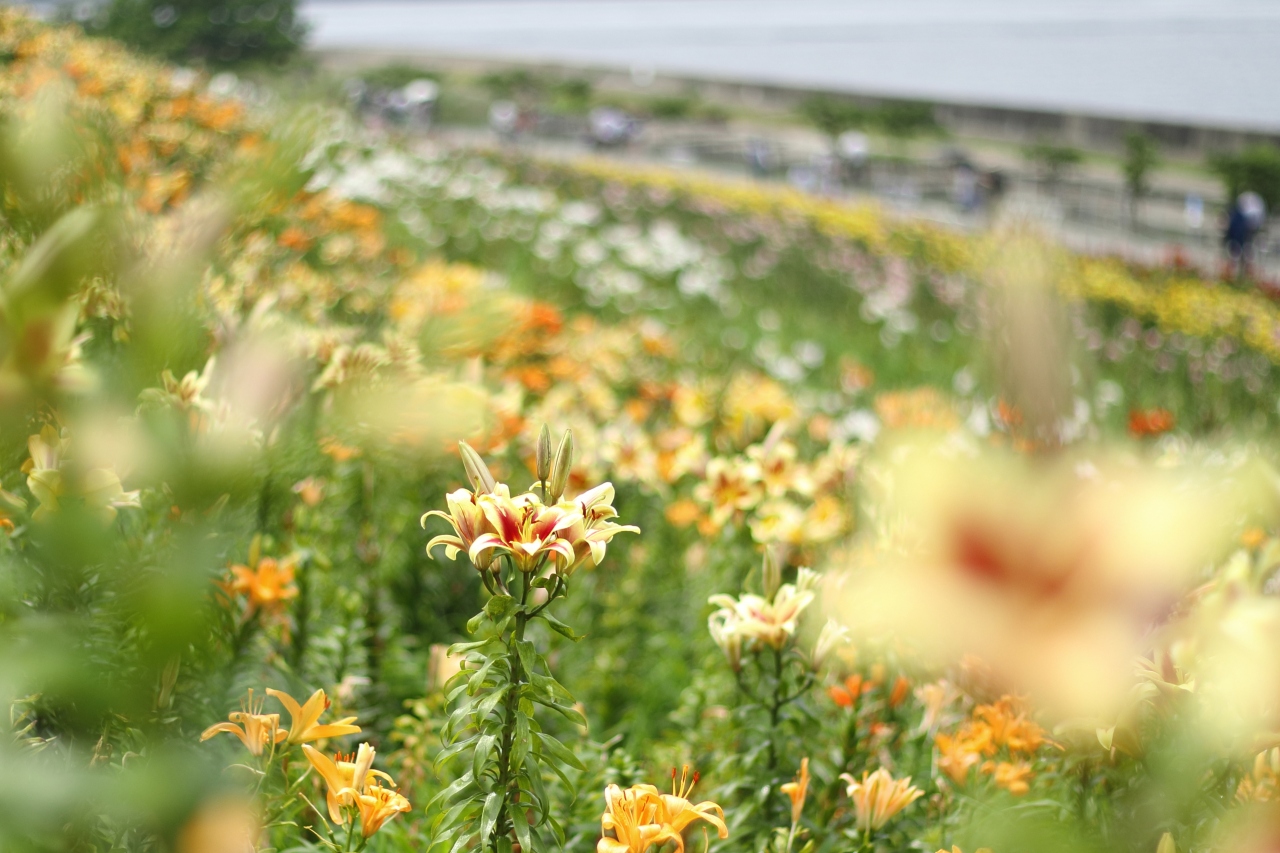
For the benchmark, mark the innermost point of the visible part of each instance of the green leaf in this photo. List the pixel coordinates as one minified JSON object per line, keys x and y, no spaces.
{"x":561,"y":753}
{"x":528,"y":655}
{"x":474,"y":623}
{"x":559,"y":627}
{"x":481,"y":756}
{"x":520,"y":821}
{"x":499,"y":606}
{"x":486,"y":705}
{"x":489,"y":816}
{"x":520,"y":743}
{"x":570,"y":713}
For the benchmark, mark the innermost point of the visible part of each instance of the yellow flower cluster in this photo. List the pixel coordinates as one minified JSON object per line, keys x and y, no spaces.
{"x":353,"y":787}
{"x":639,"y":818}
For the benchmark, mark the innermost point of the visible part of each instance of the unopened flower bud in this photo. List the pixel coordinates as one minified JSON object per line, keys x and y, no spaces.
{"x":1166,"y":844}
{"x":770,"y":575}
{"x":833,"y":636}
{"x":477,"y":472}
{"x":560,"y":469}
{"x":543,"y":458}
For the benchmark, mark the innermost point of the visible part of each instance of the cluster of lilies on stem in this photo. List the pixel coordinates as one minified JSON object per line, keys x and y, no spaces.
{"x":525,"y":547}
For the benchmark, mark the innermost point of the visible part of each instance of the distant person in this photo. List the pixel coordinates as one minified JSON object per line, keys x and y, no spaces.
{"x":1247,"y":216}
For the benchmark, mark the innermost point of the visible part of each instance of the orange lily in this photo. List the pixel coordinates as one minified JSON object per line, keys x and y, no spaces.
{"x":345,"y":776}
{"x":797,"y":790}
{"x":267,"y":582}
{"x":304,"y":719}
{"x":378,"y":805}
{"x":256,"y":729}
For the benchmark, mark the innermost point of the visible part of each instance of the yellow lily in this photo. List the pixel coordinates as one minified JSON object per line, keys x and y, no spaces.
{"x":878,"y":797}
{"x":345,"y":776}
{"x":255,"y":729}
{"x":631,"y":815}
{"x":304,"y":719}
{"x":466,"y":517}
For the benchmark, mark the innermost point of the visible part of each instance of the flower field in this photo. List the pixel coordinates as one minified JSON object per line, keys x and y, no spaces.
{"x":358,"y":494}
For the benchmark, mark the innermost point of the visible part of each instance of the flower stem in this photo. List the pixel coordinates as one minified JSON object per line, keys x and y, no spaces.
{"x":503,"y":824}
{"x":775,"y":709}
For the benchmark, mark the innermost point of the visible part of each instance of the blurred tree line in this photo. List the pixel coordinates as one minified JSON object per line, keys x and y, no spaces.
{"x":215,"y":33}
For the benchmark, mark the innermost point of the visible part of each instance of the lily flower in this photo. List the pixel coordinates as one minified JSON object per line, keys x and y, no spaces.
{"x":525,"y":530}
{"x":729,"y":487}
{"x":878,"y":797}
{"x":266,"y":582}
{"x":798,"y":790}
{"x":755,"y":619}
{"x":304,"y":719}
{"x":468,"y":521}
{"x":377,"y":805}
{"x":592,"y":532}
{"x":346,"y":777}
{"x":255,"y":729}
{"x":631,"y":815}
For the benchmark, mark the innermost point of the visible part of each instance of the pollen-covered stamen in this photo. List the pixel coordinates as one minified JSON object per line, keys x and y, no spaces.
{"x":683,"y":786}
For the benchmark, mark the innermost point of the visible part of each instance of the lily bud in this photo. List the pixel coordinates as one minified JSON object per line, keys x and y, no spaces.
{"x":543,"y":459}
{"x":1166,"y":844}
{"x":483,"y":561}
{"x":477,"y":472}
{"x":561,"y":467}
{"x":770,"y":575}
{"x":833,"y":636}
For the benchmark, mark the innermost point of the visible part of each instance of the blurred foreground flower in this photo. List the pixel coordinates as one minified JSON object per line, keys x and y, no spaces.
{"x":54,"y":478}
{"x":224,"y":824}
{"x":1050,"y":570}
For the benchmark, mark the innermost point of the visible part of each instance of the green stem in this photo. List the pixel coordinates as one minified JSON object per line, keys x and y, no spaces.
{"x":505,"y":783}
{"x":775,"y":710}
